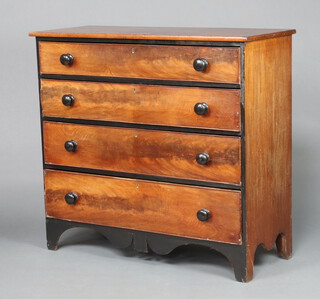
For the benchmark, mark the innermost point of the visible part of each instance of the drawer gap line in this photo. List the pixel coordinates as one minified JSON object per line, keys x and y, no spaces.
{"x":140,"y":81}
{"x":141,"y":126}
{"x":144,"y":177}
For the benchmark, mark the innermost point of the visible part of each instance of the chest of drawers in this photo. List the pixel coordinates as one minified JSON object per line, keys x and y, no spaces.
{"x":162,"y":137}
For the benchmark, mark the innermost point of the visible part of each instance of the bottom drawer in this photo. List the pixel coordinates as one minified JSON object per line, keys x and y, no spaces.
{"x":143,"y":205}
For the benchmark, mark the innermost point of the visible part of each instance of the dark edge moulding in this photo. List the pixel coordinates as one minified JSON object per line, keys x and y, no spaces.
{"x":145,"y":177}
{"x":140,"y":81}
{"x":140,"y":41}
{"x":236,"y":254}
{"x":140,"y":126}
{"x":243,"y":245}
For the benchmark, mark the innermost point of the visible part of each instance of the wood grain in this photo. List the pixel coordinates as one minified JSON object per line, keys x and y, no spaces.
{"x":166,"y":33}
{"x":152,"y":152}
{"x":145,"y":104}
{"x":268,"y":146}
{"x":142,"y":61}
{"x":148,"y":206}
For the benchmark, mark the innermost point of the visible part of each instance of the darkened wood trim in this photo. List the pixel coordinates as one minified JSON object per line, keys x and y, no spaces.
{"x":145,"y":241}
{"x":39,"y":95}
{"x":140,"y":126}
{"x":142,"y":41}
{"x":139,"y":81}
{"x":144,"y":177}
{"x":243,"y":143}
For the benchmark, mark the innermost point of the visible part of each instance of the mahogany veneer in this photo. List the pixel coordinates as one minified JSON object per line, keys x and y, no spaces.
{"x":143,"y":104}
{"x":141,"y":61}
{"x":128,"y":203}
{"x":153,"y":152}
{"x":162,"y":137}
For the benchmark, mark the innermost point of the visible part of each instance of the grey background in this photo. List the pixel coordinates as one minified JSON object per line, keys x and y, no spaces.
{"x":87,"y":265}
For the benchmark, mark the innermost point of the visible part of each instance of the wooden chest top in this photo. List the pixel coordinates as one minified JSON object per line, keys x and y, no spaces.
{"x":166,"y":33}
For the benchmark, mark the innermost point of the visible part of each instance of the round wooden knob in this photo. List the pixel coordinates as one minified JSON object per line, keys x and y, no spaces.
{"x":71,"y":146}
{"x":200,"y":64}
{"x":71,"y":198}
{"x":201,"y":108}
{"x":66,"y":59}
{"x":68,"y":100}
{"x":203,"y":214}
{"x":203,"y":158}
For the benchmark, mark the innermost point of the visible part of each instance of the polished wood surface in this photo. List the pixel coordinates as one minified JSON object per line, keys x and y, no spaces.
{"x":268,"y":146}
{"x":256,"y":61}
{"x":142,"y":61}
{"x":166,"y":33}
{"x":152,"y":152}
{"x":148,"y":206}
{"x":145,"y":104}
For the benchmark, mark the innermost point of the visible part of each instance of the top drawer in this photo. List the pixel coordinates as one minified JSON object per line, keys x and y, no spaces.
{"x":142,"y":61}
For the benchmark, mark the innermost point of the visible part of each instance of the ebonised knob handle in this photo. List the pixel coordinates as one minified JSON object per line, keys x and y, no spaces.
{"x":203,"y":158}
{"x":201,"y":108}
{"x":200,"y":64}
{"x":66,"y":59}
{"x":68,"y":100}
{"x":71,"y":198}
{"x":71,"y":146}
{"x":203,"y":214}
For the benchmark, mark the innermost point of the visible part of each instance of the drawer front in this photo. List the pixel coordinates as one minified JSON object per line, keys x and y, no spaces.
{"x":145,"y":104}
{"x":147,"y":206}
{"x":169,"y":154}
{"x":142,"y":61}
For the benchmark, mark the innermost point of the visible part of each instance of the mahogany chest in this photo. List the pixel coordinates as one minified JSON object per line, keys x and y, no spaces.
{"x":162,"y":137}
